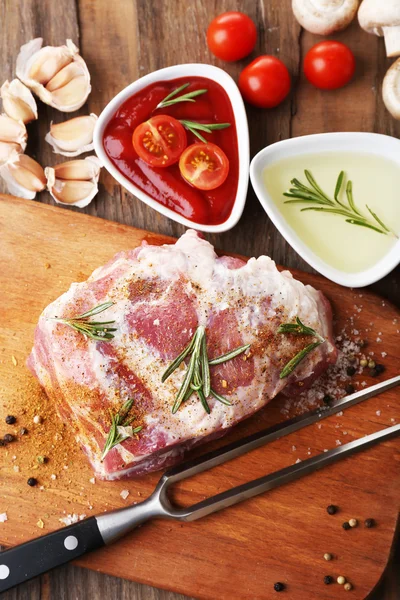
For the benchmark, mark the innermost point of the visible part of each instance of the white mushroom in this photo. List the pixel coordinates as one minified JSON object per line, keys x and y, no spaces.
{"x":74,"y":182}
{"x":324,"y":16}
{"x":58,"y":75}
{"x":391,"y":89}
{"x":23,"y":176}
{"x":18,"y":102}
{"x":382,"y":17}
{"x":72,"y":137}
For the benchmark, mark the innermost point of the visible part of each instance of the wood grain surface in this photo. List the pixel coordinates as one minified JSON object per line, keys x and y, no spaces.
{"x":125,"y":39}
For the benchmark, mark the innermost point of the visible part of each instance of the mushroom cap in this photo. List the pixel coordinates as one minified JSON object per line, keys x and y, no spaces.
{"x":373,"y":15}
{"x":323,"y":17}
{"x":391,"y":89}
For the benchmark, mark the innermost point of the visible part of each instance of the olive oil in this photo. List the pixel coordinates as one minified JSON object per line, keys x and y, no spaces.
{"x":345,"y":246}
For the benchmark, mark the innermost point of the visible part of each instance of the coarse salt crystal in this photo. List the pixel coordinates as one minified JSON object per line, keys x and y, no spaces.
{"x":378,"y":413}
{"x":319,"y":425}
{"x":393,"y":420}
{"x":383,"y":354}
{"x":338,"y":443}
{"x":124,"y":494}
{"x":378,"y":339}
{"x":37,"y":419}
{"x":297,"y":461}
{"x":344,"y":432}
{"x":340,"y":414}
{"x":92,"y":480}
{"x":363,"y":383}
{"x":3,"y":517}
{"x":53,"y":477}
{"x":293,"y":448}
{"x":325,"y":449}
{"x":156,"y":322}
{"x":16,"y":468}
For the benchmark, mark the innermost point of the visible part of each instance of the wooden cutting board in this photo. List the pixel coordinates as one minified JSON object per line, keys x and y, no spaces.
{"x":242,"y":551}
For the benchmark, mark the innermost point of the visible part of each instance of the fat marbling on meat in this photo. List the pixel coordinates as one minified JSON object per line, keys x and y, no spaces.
{"x":160,"y":295}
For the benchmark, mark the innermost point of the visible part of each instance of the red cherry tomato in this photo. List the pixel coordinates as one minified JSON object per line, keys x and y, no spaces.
{"x":231,"y":36}
{"x":159,"y":141}
{"x":329,"y":65}
{"x":205,"y":166}
{"x":265,"y":82}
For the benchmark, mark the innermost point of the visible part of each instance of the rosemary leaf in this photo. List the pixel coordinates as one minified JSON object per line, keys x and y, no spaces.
{"x":185,"y":385}
{"x":338,"y":186}
{"x":220,"y":398}
{"x":229,"y":355}
{"x":292,"y":364}
{"x":297,"y":328}
{"x":364,"y":224}
{"x":203,"y":401}
{"x":172,"y":98}
{"x":350,"y":199}
{"x":316,"y":187}
{"x":177,"y":361}
{"x":377,"y":219}
{"x":205,"y":368}
{"x":96,"y":330}
{"x":120,"y":419}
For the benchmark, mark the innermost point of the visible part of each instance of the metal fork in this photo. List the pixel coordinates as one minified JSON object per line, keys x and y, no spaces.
{"x":42,"y":554}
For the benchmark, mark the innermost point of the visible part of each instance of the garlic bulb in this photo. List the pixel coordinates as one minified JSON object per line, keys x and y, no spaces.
{"x":13,"y":137}
{"x":23,"y":176}
{"x":74,"y":182}
{"x":72,"y":137}
{"x":58,"y":75}
{"x":18,"y":102}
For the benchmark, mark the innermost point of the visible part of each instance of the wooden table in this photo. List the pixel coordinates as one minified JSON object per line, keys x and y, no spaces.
{"x":125,"y":39}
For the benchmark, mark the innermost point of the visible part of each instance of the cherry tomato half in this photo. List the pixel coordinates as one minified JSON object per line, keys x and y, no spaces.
{"x":159,"y":141}
{"x":329,"y":65}
{"x":205,"y":166}
{"x":231,"y":36}
{"x":265,"y":82}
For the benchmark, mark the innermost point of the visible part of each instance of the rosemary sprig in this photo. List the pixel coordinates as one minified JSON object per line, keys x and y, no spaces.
{"x":197,"y":377}
{"x":172,"y":98}
{"x":96,"y":330}
{"x":121,"y":428}
{"x":299,"y":328}
{"x":194,"y":127}
{"x":300,"y":193}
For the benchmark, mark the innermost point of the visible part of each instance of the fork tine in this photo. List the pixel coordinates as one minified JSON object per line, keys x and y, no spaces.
{"x":240,"y":447}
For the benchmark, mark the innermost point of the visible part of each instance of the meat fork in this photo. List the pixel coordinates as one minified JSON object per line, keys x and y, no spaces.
{"x":42,"y":554}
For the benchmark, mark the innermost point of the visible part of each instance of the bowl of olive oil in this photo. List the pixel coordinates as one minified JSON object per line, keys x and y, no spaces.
{"x":335,"y":197}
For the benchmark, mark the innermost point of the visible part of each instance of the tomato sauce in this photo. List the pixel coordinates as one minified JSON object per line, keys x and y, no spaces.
{"x":166,"y":185}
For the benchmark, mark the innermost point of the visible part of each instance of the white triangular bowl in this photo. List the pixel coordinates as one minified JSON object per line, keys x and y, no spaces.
{"x":242,"y":130}
{"x":367,"y":143}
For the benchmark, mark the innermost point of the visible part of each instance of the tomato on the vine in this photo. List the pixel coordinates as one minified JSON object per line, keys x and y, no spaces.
{"x":265,"y":82}
{"x":329,"y":65}
{"x":231,"y":36}
{"x":205,"y":166}
{"x":160,"y":141}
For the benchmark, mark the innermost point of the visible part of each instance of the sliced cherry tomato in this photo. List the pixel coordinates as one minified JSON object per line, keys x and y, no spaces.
{"x":205,"y":166}
{"x":265,"y":82}
{"x":231,"y":36}
{"x":329,"y":65}
{"x":160,"y":141}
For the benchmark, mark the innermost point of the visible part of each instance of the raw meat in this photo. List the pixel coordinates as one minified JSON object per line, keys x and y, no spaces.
{"x":161,"y":294}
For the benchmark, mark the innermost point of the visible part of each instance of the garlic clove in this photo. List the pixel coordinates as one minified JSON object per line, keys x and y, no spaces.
{"x":13,"y":131}
{"x":23,"y":176}
{"x":58,"y":75}
{"x":72,"y":137}
{"x":18,"y":102}
{"x":74,"y":182}
{"x":7,"y":149}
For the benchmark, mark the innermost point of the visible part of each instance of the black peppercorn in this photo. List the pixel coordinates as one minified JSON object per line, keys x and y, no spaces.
{"x":32,"y":481}
{"x":346,"y":525}
{"x":10,"y":419}
{"x":2,"y":443}
{"x":8,"y":438}
{"x":332,"y":509}
{"x":327,"y":399}
{"x":350,"y":371}
{"x":349,"y":389}
{"x":328,"y":579}
{"x":379,"y":368}
{"x":369,"y":523}
{"x":278,"y":586}
{"x":373,"y":373}
{"x":23,"y":431}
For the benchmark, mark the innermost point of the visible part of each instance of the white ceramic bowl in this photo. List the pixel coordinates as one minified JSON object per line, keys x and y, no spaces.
{"x":368,"y":143}
{"x":175,"y":72}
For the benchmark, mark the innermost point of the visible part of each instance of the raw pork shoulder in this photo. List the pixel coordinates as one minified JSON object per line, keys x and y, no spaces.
{"x":161,"y":294}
